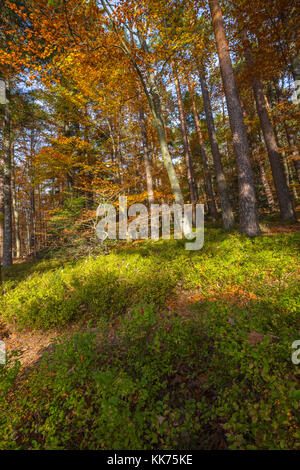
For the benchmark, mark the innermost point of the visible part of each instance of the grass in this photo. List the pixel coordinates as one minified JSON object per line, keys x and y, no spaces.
{"x":216,"y":374}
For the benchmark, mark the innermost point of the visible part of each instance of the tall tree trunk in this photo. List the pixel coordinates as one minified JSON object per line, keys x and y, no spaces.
{"x":282,"y":190}
{"x":207,"y":176}
{"x":146,"y":157}
{"x":1,"y":212}
{"x":15,"y":209}
{"x":89,"y":177}
{"x":7,"y":235}
{"x":32,"y":247}
{"x":32,"y":222}
{"x":248,"y":210}
{"x":1,"y":204}
{"x":186,"y":146}
{"x":227,"y":214}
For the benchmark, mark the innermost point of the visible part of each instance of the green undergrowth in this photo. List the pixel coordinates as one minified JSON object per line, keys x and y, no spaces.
{"x":54,"y":292}
{"x":160,"y":381}
{"x":215,"y":375}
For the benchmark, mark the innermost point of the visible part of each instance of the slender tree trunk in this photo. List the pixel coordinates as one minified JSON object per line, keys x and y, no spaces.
{"x":7,"y":235}
{"x":89,"y":177}
{"x":289,"y":176}
{"x":116,"y":152}
{"x":69,"y":175}
{"x":1,"y":212}
{"x":248,"y":210}
{"x":291,"y":140}
{"x":32,"y":222}
{"x":186,"y":146}
{"x":227,"y":214}
{"x":296,"y":76}
{"x":282,"y":190}
{"x":202,"y":192}
{"x":70,"y":183}
{"x":296,"y":159}
{"x":15,"y":210}
{"x":291,"y":36}
{"x":119,"y":158}
{"x":266,"y":186}
{"x":154,"y":102}
{"x":155,"y":106}
{"x":292,"y":182}
{"x":263,"y":177}
{"x":297,"y":168}
{"x":32,"y":241}
{"x":146,"y":157}
{"x":207,"y":176}
{"x":1,"y":204}
{"x":28,"y":233}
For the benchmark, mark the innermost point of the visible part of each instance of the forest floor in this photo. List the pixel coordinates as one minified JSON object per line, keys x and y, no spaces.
{"x":152,"y":346}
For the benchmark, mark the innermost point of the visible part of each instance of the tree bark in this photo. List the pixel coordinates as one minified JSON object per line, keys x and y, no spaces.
{"x":227,"y":213}
{"x":207,"y":176}
{"x":282,"y":190}
{"x":146,"y":157}
{"x":248,"y":211}
{"x":7,"y":235}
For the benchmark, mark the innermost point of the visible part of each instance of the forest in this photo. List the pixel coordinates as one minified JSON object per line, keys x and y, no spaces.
{"x":138,"y":343}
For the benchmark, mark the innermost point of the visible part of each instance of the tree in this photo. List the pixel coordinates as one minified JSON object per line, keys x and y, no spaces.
{"x":186,"y":145}
{"x":207,"y":176}
{"x":227,"y":214}
{"x":282,"y":190}
{"x":146,"y":157}
{"x":248,"y":210}
{"x":7,"y":144}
